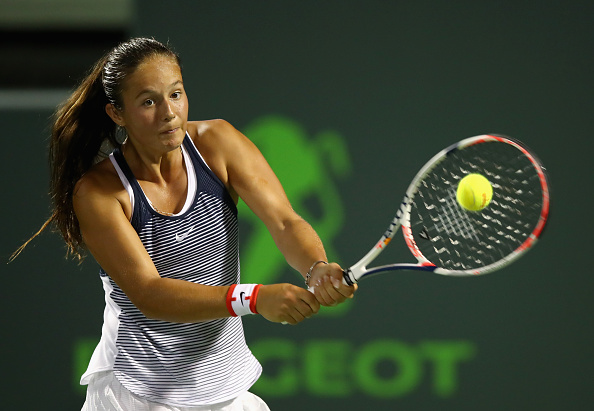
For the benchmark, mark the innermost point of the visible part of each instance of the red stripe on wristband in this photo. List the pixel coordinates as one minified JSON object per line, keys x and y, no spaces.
{"x":229,"y":299}
{"x":253,"y":298}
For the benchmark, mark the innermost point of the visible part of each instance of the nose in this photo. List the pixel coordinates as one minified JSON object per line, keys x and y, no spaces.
{"x":169,"y":114}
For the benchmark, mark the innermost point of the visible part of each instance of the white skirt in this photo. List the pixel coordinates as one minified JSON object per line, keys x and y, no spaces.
{"x":105,"y":393}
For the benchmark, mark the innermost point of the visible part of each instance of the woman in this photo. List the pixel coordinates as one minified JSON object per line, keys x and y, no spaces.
{"x":159,"y":217}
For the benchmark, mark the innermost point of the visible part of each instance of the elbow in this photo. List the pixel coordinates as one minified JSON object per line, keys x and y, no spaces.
{"x":160,"y":313}
{"x":146,"y":301}
{"x":150,"y":312}
{"x":148,"y":309}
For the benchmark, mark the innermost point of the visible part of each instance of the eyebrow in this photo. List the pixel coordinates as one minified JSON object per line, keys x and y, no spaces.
{"x":149,"y":91}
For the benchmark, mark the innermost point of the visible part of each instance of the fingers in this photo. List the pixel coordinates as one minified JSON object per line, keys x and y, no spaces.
{"x":299,"y":314}
{"x":326,"y":291}
{"x":330,"y":291}
{"x":286,"y":303}
{"x":329,"y":287}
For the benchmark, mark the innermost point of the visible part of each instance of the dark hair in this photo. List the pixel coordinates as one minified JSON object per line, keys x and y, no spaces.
{"x":82,"y":131}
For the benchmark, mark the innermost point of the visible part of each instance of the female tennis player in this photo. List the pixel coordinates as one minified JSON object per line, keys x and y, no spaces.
{"x":159,"y":216}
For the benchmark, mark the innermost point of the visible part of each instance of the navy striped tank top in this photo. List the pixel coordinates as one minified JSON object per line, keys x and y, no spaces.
{"x":179,"y":364}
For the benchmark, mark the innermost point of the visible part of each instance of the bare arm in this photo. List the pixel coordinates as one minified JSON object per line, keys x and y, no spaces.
{"x":111,"y":239}
{"x":113,"y":242}
{"x":248,"y":174}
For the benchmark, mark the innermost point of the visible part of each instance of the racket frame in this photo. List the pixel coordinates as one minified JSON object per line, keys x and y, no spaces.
{"x":402,"y":219}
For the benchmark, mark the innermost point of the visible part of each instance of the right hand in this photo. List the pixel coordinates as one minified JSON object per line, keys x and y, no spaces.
{"x":328,"y":286}
{"x":286,"y":303}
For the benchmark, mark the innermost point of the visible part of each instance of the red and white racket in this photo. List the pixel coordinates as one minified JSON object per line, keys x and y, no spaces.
{"x":447,"y":239}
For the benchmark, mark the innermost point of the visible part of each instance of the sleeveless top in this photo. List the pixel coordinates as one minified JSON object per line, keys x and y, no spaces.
{"x":180,"y":364}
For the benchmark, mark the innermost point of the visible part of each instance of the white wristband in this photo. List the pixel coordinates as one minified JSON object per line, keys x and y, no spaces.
{"x":241,"y":299}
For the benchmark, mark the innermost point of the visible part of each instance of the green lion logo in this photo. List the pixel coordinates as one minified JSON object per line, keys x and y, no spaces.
{"x":306,"y":168}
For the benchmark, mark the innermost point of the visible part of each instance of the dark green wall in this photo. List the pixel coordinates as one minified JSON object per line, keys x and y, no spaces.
{"x":396,"y":82}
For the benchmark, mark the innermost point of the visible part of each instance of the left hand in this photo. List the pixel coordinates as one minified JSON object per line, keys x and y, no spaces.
{"x":327,"y":285}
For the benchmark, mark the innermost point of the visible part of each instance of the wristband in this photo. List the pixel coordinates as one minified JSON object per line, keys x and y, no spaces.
{"x":241,"y":299}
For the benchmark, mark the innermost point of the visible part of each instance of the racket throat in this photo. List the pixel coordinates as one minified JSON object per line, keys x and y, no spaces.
{"x":348,"y":277}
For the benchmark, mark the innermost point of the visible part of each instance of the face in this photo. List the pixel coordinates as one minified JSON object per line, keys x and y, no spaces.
{"x":154,"y":105}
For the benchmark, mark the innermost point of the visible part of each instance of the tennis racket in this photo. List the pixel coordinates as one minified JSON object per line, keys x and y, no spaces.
{"x":447,"y":239}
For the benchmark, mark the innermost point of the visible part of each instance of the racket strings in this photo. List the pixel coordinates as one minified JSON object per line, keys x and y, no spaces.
{"x":457,"y":239}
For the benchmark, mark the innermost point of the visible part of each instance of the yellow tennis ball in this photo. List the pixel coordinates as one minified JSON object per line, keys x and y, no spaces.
{"x":474,"y":192}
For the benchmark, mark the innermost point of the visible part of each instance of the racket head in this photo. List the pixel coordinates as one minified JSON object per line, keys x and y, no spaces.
{"x":446,"y":238}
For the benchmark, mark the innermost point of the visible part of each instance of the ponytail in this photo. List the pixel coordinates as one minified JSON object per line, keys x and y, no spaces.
{"x":80,"y":128}
{"x":83,"y":133}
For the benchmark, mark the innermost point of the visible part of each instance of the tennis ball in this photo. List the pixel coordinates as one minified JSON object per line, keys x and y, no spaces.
{"x":474,"y":192}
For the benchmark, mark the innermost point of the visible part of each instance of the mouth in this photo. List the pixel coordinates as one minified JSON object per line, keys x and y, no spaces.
{"x":170,"y":131}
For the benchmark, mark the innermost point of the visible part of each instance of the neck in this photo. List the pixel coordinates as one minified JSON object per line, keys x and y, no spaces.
{"x":159,"y":168}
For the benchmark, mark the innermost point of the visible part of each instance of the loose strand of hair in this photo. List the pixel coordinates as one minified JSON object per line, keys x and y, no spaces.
{"x":19,"y":250}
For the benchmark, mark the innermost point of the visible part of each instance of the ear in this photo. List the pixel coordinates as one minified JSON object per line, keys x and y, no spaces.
{"x":114,"y":114}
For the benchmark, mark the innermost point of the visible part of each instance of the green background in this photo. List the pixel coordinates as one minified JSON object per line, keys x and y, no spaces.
{"x":396,"y":81}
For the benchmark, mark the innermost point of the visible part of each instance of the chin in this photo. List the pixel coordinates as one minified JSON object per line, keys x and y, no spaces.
{"x":174,"y":140}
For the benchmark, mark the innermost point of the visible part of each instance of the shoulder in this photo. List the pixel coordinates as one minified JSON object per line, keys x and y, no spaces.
{"x":99,"y":185}
{"x":219,"y":137}
{"x":101,"y":177}
{"x":219,"y":143}
{"x":212,"y":132}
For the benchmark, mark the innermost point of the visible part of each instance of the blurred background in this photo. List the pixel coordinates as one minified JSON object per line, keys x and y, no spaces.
{"x":334,"y":93}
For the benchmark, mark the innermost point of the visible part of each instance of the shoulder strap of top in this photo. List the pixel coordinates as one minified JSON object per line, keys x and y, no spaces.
{"x":207,"y":179}
{"x":139,"y":213}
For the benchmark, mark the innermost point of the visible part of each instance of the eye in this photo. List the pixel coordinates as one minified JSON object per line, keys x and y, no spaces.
{"x":176,"y":95}
{"x":148,"y":102}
